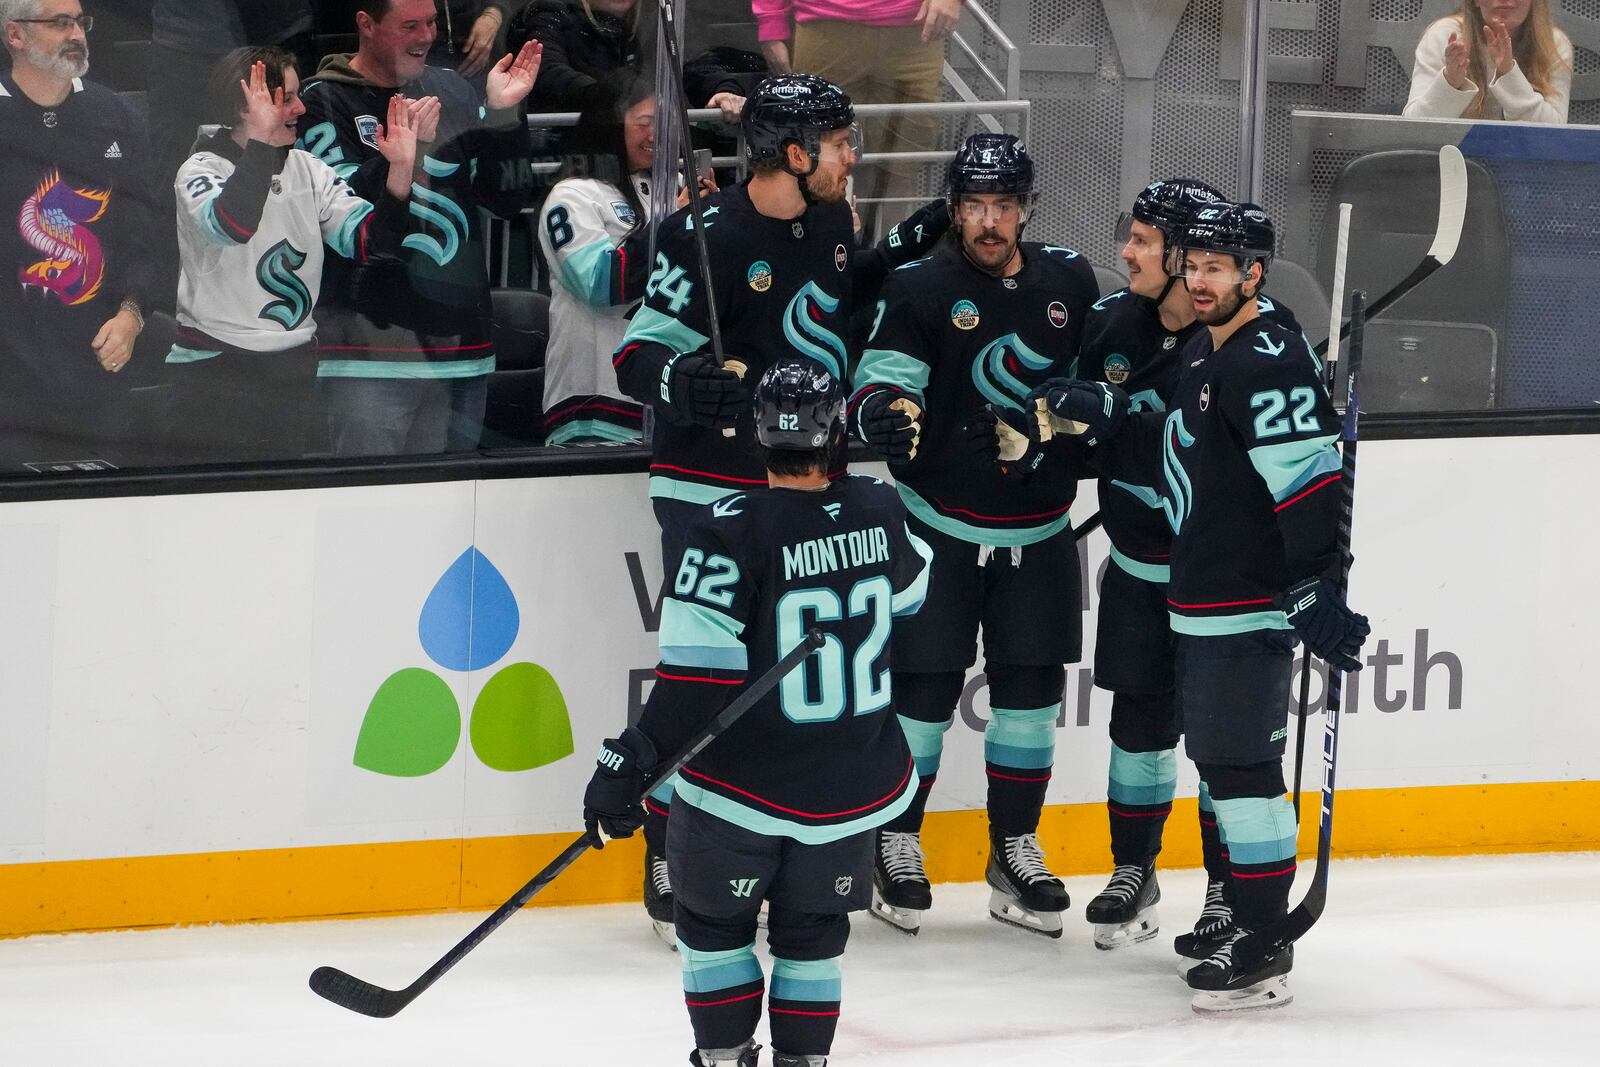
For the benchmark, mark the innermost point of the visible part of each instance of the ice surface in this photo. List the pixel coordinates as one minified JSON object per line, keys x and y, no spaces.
{"x":1422,"y":961}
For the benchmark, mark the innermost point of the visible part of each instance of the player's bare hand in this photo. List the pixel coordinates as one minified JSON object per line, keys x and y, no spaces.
{"x":263,"y":110}
{"x":397,"y":142}
{"x":425,"y":118}
{"x":1497,"y":39}
{"x":707,"y":187}
{"x":1456,"y":63}
{"x":113,"y":345}
{"x":511,"y":80}
{"x":479,"y":41}
{"x":938,"y":18}
{"x":777,"y":53}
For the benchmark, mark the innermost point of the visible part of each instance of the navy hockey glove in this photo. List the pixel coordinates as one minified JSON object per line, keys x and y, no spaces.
{"x":1330,"y":629}
{"x":1008,"y":439}
{"x":698,"y":392}
{"x":613,"y":803}
{"x":914,"y":237}
{"x":1078,"y":408}
{"x":890,"y":422}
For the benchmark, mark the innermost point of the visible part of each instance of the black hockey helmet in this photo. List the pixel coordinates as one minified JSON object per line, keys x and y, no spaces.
{"x":792,"y":109}
{"x":1167,"y":205}
{"x":1242,"y":231}
{"x":798,"y":405}
{"x":991,"y":163}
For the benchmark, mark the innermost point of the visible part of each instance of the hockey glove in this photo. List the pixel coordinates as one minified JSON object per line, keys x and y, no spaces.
{"x":914,"y":237}
{"x":1009,"y":439}
{"x":1090,"y":409}
{"x":697,"y":392}
{"x":613,"y":803}
{"x":1330,"y":629}
{"x":890,"y":423}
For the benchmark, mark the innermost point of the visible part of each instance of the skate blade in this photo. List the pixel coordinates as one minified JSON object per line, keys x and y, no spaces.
{"x":667,"y":933}
{"x":1003,"y":908}
{"x":1272,"y":993}
{"x":1108,"y":936}
{"x":905,"y":920}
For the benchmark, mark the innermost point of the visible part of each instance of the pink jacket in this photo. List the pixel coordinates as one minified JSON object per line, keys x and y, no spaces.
{"x":773,"y":16}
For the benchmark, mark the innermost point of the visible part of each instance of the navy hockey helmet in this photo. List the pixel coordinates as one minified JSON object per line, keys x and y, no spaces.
{"x":792,"y":109}
{"x":798,"y":405}
{"x":1242,"y":231}
{"x":991,"y":163}
{"x":1167,"y":205}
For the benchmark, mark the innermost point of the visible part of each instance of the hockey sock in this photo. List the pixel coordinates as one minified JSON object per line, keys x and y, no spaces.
{"x":926,"y":740}
{"x":806,"y":952}
{"x":1257,"y":821}
{"x":1213,"y":851}
{"x":722,"y":987}
{"x":1019,"y":744}
{"x":1139,"y":799}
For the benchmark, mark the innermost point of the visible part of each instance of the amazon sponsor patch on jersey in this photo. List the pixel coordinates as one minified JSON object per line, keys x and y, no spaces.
{"x":1117,"y":368}
{"x":965,"y":315}
{"x":759,"y":276}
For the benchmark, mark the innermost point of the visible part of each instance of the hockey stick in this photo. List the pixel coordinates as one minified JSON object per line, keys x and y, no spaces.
{"x":351,"y":992}
{"x":1446,"y":237}
{"x":1087,"y":527}
{"x":1294,"y":925}
{"x":691,"y":182}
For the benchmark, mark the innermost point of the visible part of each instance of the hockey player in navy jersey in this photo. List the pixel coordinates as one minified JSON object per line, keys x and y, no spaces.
{"x":1132,"y":340}
{"x":966,"y":332}
{"x":781,"y":807}
{"x":1249,"y":477}
{"x":786,"y":275}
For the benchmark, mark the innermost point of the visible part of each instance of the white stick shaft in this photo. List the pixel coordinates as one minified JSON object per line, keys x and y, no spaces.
{"x":1341,"y":255}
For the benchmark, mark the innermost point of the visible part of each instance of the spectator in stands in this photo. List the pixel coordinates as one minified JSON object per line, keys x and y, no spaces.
{"x":467,"y":32}
{"x":406,"y":344}
{"x":878,"y":51}
{"x":596,"y":236}
{"x":1493,"y":59}
{"x":73,"y":272}
{"x":253,"y":216}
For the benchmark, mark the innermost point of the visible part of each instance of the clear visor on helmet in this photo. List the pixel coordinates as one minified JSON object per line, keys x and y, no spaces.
{"x":1213,"y":269}
{"x":833,"y":149}
{"x":1171,"y":257}
{"x":999,"y":208}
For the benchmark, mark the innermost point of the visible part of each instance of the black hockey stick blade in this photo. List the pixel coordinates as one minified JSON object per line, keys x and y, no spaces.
{"x":1087,"y":527}
{"x":365,"y":998}
{"x":1446,"y":235}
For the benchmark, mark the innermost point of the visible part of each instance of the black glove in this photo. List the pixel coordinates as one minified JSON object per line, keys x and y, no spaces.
{"x":700,"y":393}
{"x":1330,"y":629}
{"x":1007,"y":439}
{"x":1070,"y":404}
{"x":614,"y":801}
{"x":914,"y":236}
{"x":891,"y":433}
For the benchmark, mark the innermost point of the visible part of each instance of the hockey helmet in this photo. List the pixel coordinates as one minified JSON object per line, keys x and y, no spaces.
{"x":792,"y":109}
{"x":991,"y":163}
{"x":1242,"y":231}
{"x":799,"y":406}
{"x":1167,"y":205}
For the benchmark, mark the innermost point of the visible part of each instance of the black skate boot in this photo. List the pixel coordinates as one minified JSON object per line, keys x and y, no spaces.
{"x":1242,"y":975}
{"x":900,"y":890}
{"x":746,"y":1055}
{"x":1211,"y":930}
{"x":1025,"y":893}
{"x":1125,"y":911}
{"x":784,"y":1059}
{"x":658,"y":898}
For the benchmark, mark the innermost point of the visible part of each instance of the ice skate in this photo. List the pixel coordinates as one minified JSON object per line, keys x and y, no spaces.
{"x":1211,"y":930}
{"x":900,"y":889}
{"x":1026,"y":894}
{"x":1125,"y":911}
{"x":784,"y":1059}
{"x":1242,"y":976}
{"x":746,"y":1055}
{"x":658,"y":898}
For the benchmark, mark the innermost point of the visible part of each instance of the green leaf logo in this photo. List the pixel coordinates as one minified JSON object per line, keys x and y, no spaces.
{"x":412,"y":726}
{"x":520,"y":720}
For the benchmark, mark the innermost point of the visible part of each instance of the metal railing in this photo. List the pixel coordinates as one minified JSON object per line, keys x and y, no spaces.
{"x":1010,"y":88}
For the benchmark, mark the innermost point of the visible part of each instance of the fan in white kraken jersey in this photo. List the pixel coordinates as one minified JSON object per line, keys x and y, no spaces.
{"x":254,"y":215}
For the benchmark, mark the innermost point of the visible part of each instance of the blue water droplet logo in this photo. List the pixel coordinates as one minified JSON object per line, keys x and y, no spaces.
{"x":470,"y":618}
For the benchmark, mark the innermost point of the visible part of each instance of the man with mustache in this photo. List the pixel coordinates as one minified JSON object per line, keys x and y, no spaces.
{"x":75,"y":204}
{"x":961,"y":337}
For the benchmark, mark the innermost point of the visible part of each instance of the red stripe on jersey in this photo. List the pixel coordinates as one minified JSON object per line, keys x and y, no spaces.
{"x":1221,"y":604}
{"x":1301,"y":496}
{"x":896,"y":791}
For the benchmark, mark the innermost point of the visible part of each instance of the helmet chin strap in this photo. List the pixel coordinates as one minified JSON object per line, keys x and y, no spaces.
{"x":801,"y":176}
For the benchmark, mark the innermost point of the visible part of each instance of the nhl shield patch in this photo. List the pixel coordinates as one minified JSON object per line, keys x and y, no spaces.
{"x":367,"y":127}
{"x":964,"y":314}
{"x":843,"y":885}
{"x":1117,"y":368}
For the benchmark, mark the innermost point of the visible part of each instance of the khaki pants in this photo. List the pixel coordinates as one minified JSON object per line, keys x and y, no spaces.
{"x":879,"y":65}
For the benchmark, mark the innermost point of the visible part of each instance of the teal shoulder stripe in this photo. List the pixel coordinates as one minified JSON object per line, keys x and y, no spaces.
{"x":424,"y":370}
{"x":702,"y":636}
{"x":1289,"y":467}
{"x":1148,"y":572}
{"x":910,"y":599}
{"x":885,"y":366}
{"x":689,"y":492}
{"x":586,"y":272}
{"x":979,"y":535}
{"x":343,"y":240}
{"x":648,"y":324}
{"x":772,"y":826}
{"x":1220,"y":625}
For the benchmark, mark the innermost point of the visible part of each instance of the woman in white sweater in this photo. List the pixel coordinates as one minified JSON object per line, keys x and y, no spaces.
{"x":1493,"y":59}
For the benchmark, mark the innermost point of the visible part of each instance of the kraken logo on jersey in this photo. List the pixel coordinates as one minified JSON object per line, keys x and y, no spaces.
{"x":276,"y":273}
{"x":1117,"y":368}
{"x":445,"y":216}
{"x":994,"y":379}
{"x":803,"y":328}
{"x":1178,"y":501}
